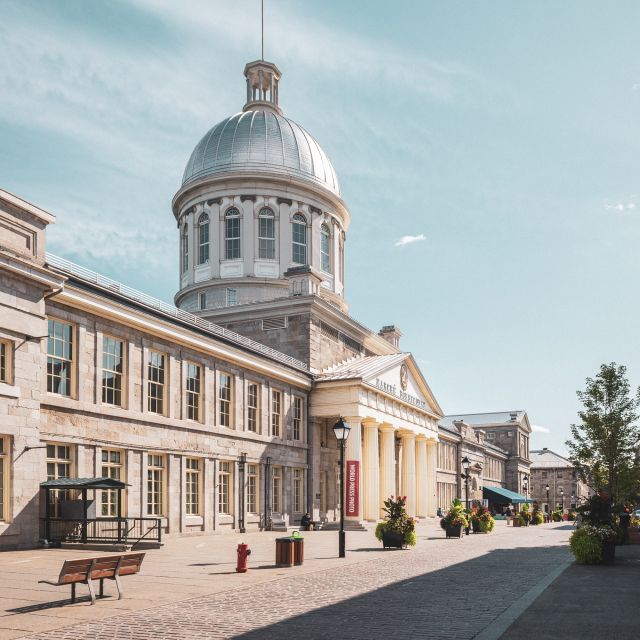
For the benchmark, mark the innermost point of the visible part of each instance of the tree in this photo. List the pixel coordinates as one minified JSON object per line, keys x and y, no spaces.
{"x":605,"y":445}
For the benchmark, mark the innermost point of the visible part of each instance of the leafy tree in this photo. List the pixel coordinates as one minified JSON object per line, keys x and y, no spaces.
{"x":604,"y":447}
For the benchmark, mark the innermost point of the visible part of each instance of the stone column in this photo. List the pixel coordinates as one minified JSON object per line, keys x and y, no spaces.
{"x":353,"y":451}
{"x":422,"y":481}
{"x":387,"y":463}
{"x":409,"y":470}
{"x":370,"y":470}
{"x":432,"y":450}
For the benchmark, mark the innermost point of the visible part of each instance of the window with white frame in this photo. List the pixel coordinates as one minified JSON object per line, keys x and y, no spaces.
{"x":266,"y":234}
{"x":252,"y":488}
{"x":156,"y":382}
{"x":203,"y":239}
{"x":192,"y":384}
{"x":202,"y":300}
{"x":252,"y":407}
{"x":6,"y":353}
{"x":156,"y":464}
{"x":112,"y":467}
{"x":232,"y":234}
{"x":4,"y":478}
{"x":185,"y":248}
{"x":232,"y":297}
{"x":298,"y":490}
{"x":59,"y":357}
{"x":276,"y":412}
{"x":225,"y":395}
{"x":299,"y":239}
{"x":224,"y":487}
{"x":192,"y":486}
{"x":112,"y":370}
{"x":59,"y":465}
{"x":325,"y":248}
{"x":297,"y":418}
{"x":276,"y":489}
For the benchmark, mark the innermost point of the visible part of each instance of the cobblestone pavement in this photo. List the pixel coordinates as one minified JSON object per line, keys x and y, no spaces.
{"x":441,"y":589}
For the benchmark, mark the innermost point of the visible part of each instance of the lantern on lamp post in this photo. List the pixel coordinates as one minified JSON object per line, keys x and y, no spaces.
{"x":341,"y":430}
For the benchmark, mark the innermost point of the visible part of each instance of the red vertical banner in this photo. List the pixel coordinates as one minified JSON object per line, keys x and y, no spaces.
{"x":353,"y":487}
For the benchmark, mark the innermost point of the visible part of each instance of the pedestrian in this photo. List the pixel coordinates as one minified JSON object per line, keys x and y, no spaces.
{"x":306,"y":523}
{"x":625,"y":521}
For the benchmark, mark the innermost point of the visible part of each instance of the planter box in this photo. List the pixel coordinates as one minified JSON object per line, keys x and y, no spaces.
{"x":475,"y":525}
{"x":393,"y":540}
{"x":454,"y":531}
{"x":516,"y":522}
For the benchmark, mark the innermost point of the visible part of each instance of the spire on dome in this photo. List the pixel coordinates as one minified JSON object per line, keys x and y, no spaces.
{"x":262,"y":86}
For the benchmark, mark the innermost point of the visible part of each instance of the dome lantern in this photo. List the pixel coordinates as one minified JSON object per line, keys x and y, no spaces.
{"x":262,"y":86}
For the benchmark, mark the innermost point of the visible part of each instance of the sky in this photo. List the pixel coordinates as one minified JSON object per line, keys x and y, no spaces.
{"x":488,"y":152}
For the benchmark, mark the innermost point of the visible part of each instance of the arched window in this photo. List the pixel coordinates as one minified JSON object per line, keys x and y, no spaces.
{"x":185,"y":248}
{"x":325,"y":249}
{"x":266,"y":235}
{"x":232,"y":234}
{"x":203,"y":239}
{"x":299,"y":239}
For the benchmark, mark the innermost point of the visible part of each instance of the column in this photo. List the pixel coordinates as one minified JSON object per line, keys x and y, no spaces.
{"x":408,"y":478}
{"x":432,"y":451}
{"x":353,"y":452}
{"x":370,"y":470}
{"x":387,"y":463}
{"x":422,"y":481}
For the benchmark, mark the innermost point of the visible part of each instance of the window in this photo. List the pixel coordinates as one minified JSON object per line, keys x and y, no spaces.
{"x":203,"y":239}
{"x":297,"y":418}
{"x":111,"y":468}
{"x":224,"y":487}
{"x":325,"y":250}
{"x":4,"y":478}
{"x":202,"y":300}
{"x":185,"y":248}
{"x":276,"y":489}
{"x":491,"y":435}
{"x":252,"y":488}
{"x":224,"y":395}
{"x":447,"y":456}
{"x":232,"y":234}
{"x":559,"y":474}
{"x":155,"y":484}
{"x":192,"y":485}
{"x":276,"y":412}
{"x":193,"y":391}
{"x":252,"y":407}
{"x":232,"y":297}
{"x":298,"y":490}
{"x":155,"y":389}
{"x":266,"y":235}
{"x":299,"y":239}
{"x":5,"y":362}
{"x":112,"y":370}
{"x":59,"y":465}
{"x":59,"y":358}
{"x":323,"y":492}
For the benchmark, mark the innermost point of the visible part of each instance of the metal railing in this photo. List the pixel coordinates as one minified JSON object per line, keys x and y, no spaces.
{"x":103,"y":530}
{"x":145,"y":300}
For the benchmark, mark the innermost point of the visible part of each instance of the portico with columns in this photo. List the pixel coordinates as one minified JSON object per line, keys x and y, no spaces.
{"x":392,"y":444}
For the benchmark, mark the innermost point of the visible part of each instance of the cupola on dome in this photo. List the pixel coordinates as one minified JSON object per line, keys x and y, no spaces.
{"x":261,"y":140}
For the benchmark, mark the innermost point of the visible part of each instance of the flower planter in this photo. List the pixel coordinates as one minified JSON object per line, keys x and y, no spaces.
{"x":608,"y":551}
{"x":393,"y":540}
{"x":453,"y":531}
{"x":516,"y":522}
{"x":475,"y":525}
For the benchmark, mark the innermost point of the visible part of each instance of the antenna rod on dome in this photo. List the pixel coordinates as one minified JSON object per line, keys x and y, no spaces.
{"x":262,"y":42}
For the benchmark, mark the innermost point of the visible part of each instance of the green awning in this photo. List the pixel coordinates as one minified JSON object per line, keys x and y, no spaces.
{"x":502,"y":496}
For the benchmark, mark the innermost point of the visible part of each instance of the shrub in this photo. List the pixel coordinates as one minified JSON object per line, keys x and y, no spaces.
{"x":482,"y":517}
{"x":397,"y":521}
{"x":537,"y":517}
{"x":455,"y":515}
{"x":586,"y":543}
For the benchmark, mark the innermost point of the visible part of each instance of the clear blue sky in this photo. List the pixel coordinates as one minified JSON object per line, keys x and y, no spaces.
{"x":506,"y":133}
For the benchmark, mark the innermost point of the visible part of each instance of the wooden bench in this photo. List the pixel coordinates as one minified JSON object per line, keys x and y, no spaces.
{"x":87,"y":570}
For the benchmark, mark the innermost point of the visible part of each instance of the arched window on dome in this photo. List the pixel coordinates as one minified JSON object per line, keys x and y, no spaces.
{"x":325,"y":249}
{"x":185,"y":248}
{"x":232,"y":234}
{"x":299,"y":239}
{"x":203,"y":239}
{"x":266,"y":234}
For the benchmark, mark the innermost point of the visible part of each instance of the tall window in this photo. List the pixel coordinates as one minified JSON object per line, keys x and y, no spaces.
{"x":266,"y":235}
{"x":59,"y":465}
{"x":111,"y":468}
{"x":276,"y":489}
{"x":232,"y":234}
{"x":4,"y":478}
{"x":193,"y":391}
{"x":185,"y":248}
{"x":224,"y":396}
{"x":203,"y":239}
{"x":298,"y":490}
{"x":232,"y":297}
{"x":252,"y":488}
{"x":155,"y":484}
{"x":252,"y":407}
{"x":224,"y":487}
{"x":5,"y":361}
{"x":192,"y":505}
{"x":299,"y":239}
{"x":202,"y":298}
{"x":325,"y":249}
{"x":276,"y":412}
{"x":297,"y":418}
{"x":156,"y":382}
{"x":59,"y":357}
{"x":112,"y":370}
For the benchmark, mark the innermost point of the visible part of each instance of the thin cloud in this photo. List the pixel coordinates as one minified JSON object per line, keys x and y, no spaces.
{"x":620,"y":206}
{"x":409,"y":240}
{"x":536,"y":428}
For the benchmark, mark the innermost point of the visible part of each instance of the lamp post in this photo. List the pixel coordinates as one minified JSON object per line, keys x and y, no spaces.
{"x":548,"y":510}
{"x":341,"y":430}
{"x":562,"y":498}
{"x":465,"y":465}
{"x":525,"y":485}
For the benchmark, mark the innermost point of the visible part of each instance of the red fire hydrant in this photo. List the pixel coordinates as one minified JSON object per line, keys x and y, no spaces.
{"x":243,"y":554}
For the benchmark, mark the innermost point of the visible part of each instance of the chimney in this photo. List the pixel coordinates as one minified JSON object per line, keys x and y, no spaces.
{"x":514,"y":416}
{"x":391,"y":334}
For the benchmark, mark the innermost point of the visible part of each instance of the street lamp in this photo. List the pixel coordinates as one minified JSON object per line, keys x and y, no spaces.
{"x":548,"y":510}
{"x":562,"y":498}
{"x":466,"y":475}
{"x":525,"y":484}
{"x":341,"y":430}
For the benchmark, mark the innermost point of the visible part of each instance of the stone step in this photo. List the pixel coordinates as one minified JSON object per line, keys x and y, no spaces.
{"x":349,"y":525}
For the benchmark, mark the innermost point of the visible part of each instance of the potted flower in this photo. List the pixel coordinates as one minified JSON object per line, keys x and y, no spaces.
{"x":481,"y":520}
{"x":398,"y":529}
{"x":595,"y":539}
{"x":525,"y":514}
{"x":557,"y":515}
{"x":454,"y":520}
{"x":537,"y":517}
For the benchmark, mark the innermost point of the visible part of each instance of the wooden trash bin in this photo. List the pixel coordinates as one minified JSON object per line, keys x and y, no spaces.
{"x":284,"y":552}
{"x":298,"y":551}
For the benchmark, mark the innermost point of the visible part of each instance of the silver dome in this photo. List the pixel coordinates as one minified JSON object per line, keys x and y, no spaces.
{"x":260,"y":140}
